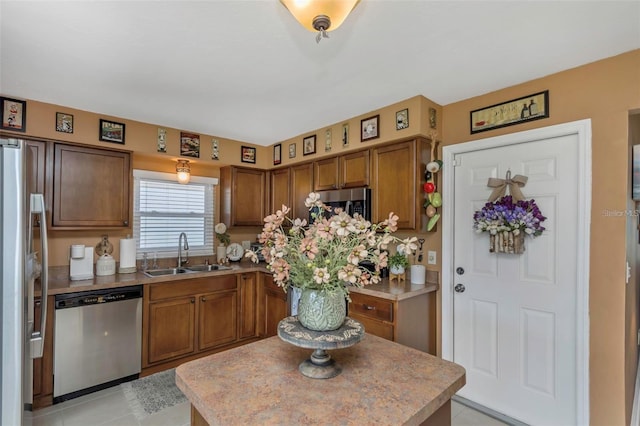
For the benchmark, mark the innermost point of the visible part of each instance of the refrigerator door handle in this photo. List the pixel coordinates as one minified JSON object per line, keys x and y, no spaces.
{"x":37,"y":337}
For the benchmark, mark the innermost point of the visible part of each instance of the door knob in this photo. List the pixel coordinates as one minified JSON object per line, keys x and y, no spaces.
{"x":459,"y":270}
{"x":459,"y":288}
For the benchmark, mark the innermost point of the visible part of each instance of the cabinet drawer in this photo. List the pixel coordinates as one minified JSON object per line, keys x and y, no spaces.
{"x":377,"y":328}
{"x":372,"y":307}
{"x":190,"y":287}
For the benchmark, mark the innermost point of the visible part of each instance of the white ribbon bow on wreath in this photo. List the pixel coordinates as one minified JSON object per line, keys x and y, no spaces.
{"x":500,"y":187}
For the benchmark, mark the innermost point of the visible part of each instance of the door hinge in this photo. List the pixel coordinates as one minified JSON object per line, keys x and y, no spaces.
{"x":456,"y":162}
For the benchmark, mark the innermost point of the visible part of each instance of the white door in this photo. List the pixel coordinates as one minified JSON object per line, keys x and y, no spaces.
{"x":515,"y":323}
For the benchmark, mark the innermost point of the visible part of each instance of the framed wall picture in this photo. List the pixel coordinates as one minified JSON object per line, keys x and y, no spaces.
{"x":402,"y":119}
{"x":189,"y":145}
{"x":327,"y":140}
{"x":14,"y":114}
{"x":369,"y":128}
{"x":635,"y":170}
{"x":345,"y":135}
{"x":277,"y":154}
{"x":64,"y":122}
{"x":292,"y":150}
{"x":110,"y":131}
{"x":248,"y":154}
{"x":309,"y":145}
{"x":526,"y":108}
{"x":161,"y":145}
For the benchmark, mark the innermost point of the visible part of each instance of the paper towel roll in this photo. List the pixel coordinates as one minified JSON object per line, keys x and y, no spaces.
{"x":127,"y":256}
{"x":77,"y":251}
{"x":418,"y":274}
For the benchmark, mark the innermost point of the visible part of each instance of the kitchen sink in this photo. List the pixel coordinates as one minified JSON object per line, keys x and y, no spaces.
{"x":207,"y":268}
{"x":166,"y":271}
{"x":187,"y":270}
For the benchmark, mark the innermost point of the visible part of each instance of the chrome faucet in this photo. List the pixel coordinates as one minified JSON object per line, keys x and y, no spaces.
{"x":180,"y":247}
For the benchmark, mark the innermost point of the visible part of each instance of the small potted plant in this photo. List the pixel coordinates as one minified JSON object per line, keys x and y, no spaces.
{"x":398,"y":262}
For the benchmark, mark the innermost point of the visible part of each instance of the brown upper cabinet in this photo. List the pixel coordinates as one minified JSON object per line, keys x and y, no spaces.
{"x":91,"y":187}
{"x":280,"y":192}
{"x":301,"y":186}
{"x":345,"y":171}
{"x":244,"y":196}
{"x":397,"y":174}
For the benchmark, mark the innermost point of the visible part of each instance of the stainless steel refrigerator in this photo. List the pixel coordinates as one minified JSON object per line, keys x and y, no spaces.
{"x":20,"y":265}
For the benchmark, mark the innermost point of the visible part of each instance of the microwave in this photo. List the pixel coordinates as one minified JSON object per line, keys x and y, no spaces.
{"x":355,"y":200}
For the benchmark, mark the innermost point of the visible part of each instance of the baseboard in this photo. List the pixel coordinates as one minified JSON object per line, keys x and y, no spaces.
{"x":635,"y":413}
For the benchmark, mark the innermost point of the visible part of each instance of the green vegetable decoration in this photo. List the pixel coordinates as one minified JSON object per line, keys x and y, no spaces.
{"x":433,"y":200}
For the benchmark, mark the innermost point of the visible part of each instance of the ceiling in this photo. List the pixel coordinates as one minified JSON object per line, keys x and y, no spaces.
{"x":246,"y":70}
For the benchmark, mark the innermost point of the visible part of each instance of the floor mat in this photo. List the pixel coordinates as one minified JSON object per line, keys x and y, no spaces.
{"x":153,"y":393}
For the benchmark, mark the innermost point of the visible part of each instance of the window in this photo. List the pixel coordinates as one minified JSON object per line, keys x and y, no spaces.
{"x":163,"y":208}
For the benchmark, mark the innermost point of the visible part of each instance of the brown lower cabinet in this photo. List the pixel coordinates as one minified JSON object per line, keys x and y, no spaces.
{"x":411,"y":322}
{"x":197,"y":316}
{"x":272,"y":306}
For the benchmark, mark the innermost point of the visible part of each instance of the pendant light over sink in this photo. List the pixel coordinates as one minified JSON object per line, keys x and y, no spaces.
{"x":183,"y":170}
{"x":320,"y":15}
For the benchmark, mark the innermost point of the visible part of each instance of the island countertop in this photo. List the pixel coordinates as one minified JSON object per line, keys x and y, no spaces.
{"x":382,"y":383}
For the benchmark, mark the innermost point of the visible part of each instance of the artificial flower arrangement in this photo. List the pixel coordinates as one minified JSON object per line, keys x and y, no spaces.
{"x":328,"y":254}
{"x":221,"y":233}
{"x":505,"y":215}
{"x":507,"y":223}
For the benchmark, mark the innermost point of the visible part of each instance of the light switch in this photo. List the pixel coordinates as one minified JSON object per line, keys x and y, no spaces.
{"x":431,"y":257}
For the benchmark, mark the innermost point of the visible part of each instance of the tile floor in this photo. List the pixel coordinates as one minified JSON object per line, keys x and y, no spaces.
{"x":108,"y":407}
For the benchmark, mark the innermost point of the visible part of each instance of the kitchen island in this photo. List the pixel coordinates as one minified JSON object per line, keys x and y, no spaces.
{"x":382,"y":383}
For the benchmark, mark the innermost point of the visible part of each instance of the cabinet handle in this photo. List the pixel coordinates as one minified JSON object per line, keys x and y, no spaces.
{"x":203,"y":299}
{"x":125,"y":222}
{"x":193,"y":300}
{"x":369,"y":308}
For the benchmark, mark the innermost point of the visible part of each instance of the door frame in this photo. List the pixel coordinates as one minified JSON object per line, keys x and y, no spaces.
{"x":581,"y":128}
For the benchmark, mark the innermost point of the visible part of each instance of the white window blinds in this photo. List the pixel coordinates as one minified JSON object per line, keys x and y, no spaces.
{"x":164,"y":208}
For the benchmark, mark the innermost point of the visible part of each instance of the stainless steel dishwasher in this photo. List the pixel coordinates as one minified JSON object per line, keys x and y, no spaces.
{"x":98,"y":340}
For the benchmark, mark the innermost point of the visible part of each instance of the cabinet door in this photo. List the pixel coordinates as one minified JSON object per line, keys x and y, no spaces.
{"x":217,"y":322}
{"x":395,"y":182}
{"x":171,"y":328}
{"x":91,"y":187}
{"x":280,"y":191}
{"x":248,"y":292}
{"x":275,"y":306}
{"x":354,"y":169}
{"x":243,"y":196}
{"x":325,"y":174}
{"x":301,"y":186}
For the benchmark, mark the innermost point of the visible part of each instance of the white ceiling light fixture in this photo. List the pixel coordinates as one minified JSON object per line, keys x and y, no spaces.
{"x":320,"y":15}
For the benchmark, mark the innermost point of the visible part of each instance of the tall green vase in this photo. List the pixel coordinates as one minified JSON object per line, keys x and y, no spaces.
{"x":321,"y":311}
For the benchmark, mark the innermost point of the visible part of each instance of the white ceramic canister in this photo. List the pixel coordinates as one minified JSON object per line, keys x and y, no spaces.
{"x":106,"y":265}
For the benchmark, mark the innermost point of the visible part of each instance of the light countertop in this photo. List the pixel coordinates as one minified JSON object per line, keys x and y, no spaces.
{"x":59,"y":282}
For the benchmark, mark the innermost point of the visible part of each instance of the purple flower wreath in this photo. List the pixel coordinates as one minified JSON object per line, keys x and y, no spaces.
{"x":505,"y":215}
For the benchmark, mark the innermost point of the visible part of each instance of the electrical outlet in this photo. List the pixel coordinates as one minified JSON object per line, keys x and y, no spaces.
{"x":431,"y":257}
{"x":638,"y":337}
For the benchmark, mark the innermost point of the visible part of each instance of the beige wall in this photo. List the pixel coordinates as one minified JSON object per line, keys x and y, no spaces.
{"x":605,"y":92}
